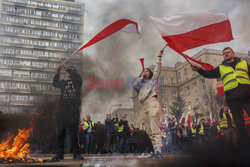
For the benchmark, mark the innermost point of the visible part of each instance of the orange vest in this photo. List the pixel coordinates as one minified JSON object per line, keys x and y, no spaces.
{"x":246,"y":118}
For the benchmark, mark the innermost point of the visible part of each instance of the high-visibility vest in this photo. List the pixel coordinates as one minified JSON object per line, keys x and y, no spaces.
{"x":120,"y":129}
{"x":193,"y":131}
{"x":218,"y":128}
{"x":231,"y":78}
{"x":163,"y":134}
{"x":201,"y":130}
{"x":246,"y":118}
{"x":223,"y":121}
{"x":86,"y":125}
{"x":184,"y":132}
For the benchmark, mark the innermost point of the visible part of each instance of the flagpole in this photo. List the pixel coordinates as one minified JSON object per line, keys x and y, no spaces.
{"x":70,"y":57}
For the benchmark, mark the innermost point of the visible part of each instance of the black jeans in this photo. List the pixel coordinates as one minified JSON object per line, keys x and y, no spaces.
{"x":65,"y":121}
{"x":236,"y":107}
{"x":110,"y":141}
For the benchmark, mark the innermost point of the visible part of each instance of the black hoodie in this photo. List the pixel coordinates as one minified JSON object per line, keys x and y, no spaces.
{"x":240,"y":92}
{"x":70,"y":89}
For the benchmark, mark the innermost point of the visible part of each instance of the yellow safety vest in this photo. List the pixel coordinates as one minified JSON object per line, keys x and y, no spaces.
{"x":163,"y":134}
{"x":193,"y":130}
{"x":223,"y":121}
{"x":231,"y":78}
{"x":218,"y":128}
{"x":201,"y":129}
{"x":120,"y":129}
{"x":86,"y":125}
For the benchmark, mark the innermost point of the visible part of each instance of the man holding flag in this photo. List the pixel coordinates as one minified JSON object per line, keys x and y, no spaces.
{"x":234,"y":73}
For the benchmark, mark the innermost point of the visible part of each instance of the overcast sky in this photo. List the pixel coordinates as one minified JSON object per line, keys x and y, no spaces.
{"x":118,"y":56}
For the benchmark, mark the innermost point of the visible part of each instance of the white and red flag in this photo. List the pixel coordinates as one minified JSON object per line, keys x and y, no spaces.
{"x":219,"y":88}
{"x":209,"y":122}
{"x":192,"y":29}
{"x":124,"y":25}
{"x":189,"y":121}
{"x":182,"y":120}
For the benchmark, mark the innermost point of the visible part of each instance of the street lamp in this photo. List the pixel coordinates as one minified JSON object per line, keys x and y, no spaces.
{"x":113,"y":106}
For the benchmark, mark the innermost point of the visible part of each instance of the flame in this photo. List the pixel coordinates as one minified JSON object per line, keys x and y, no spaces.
{"x":17,"y":147}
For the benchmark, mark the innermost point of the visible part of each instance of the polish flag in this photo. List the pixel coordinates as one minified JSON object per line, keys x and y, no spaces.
{"x":124,"y":25}
{"x":189,"y":120}
{"x":182,"y":120}
{"x":192,"y":29}
{"x":219,"y":88}
{"x":209,"y":122}
{"x":194,"y":62}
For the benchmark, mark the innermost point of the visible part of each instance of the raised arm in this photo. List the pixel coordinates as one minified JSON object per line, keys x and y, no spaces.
{"x":56,"y":82}
{"x":157,"y":70}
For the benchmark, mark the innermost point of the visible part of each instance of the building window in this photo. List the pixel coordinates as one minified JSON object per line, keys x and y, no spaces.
{"x":185,"y":73}
{"x":195,"y":87}
{"x":5,"y":73}
{"x":174,"y":93}
{"x":25,"y":63}
{"x":179,"y":76}
{"x":173,"y":81}
{"x":20,"y":85}
{"x":161,"y":81}
{"x":164,"y":108}
{"x":19,"y":97}
{"x":21,"y":74}
{"x":4,"y":97}
{"x":163,"y":94}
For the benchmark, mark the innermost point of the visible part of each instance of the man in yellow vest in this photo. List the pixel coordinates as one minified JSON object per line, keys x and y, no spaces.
{"x":123,"y":133}
{"x":88,"y":127}
{"x":227,"y":126}
{"x":234,"y":73}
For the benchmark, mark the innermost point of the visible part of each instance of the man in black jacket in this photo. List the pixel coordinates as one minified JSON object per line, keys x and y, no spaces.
{"x":110,"y":129}
{"x":68,"y":115}
{"x":234,"y":73}
{"x":123,"y":132}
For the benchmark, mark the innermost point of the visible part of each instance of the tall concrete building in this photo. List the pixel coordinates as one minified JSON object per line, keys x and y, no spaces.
{"x":199,"y":93}
{"x":35,"y":36}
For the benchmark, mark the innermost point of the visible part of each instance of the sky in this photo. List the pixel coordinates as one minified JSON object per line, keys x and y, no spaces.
{"x":118,"y":56}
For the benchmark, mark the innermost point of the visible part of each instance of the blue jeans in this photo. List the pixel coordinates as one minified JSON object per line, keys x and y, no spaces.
{"x":89,"y":140}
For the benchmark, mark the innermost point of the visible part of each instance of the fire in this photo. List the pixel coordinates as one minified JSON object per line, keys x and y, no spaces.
{"x":17,"y":148}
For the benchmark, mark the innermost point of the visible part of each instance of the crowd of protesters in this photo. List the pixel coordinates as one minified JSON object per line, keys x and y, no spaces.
{"x":176,"y":137}
{"x":121,"y":139}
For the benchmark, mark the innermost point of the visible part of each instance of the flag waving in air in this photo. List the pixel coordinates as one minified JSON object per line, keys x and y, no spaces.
{"x":124,"y":25}
{"x":192,"y":29}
